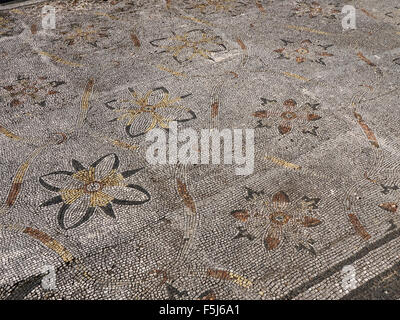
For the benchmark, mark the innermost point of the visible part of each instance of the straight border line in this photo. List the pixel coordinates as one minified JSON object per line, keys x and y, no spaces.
{"x":338,"y":267}
{"x":19,"y":3}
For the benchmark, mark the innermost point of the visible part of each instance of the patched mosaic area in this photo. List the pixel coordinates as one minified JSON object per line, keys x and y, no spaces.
{"x":318,"y":218}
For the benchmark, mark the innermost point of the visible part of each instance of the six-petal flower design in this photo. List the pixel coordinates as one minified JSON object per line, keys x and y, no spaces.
{"x":278,"y":219}
{"x":292,"y":113}
{"x":28,"y":90}
{"x":304,"y":50}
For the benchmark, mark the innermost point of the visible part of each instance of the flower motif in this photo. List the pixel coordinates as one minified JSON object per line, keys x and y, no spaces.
{"x":207,"y":7}
{"x":84,"y":190}
{"x":88,"y":35}
{"x":393,"y":16}
{"x":7,"y":25}
{"x":191,"y":44}
{"x":155,"y":108}
{"x":35,"y":91}
{"x":389,"y":206}
{"x":279,"y":219}
{"x":290,"y":115}
{"x":303,"y":51}
{"x":3,"y":25}
{"x":314,"y":9}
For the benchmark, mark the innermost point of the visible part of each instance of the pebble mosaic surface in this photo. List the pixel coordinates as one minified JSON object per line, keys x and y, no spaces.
{"x":317,"y":219}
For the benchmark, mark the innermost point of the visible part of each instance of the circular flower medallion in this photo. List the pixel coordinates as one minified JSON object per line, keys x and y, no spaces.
{"x":94,"y":186}
{"x":30,"y":90}
{"x":148,"y":108}
{"x":289,"y":115}
{"x":279,"y":218}
{"x":302,"y":51}
{"x":58,"y":137}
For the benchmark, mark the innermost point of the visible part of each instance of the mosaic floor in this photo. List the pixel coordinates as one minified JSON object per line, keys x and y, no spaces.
{"x":317,"y":219}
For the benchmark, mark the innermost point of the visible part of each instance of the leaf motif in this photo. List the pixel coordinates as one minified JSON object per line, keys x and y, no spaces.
{"x":241,"y":44}
{"x":260,"y":7}
{"x":284,"y":129}
{"x":187,"y":198}
{"x":313,"y":117}
{"x":260,"y":114}
{"x":367,"y":130}
{"x":366,"y":60}
{"x":280,"y":198}
{"x":389,"y":206}
{"x":214,"y":109}
{"x":326,"y":54}
{"x":271,"y":243}
{"x":218,"y":274}
{"x":358,"y":227}
{"x":135,"y":40}
{"x":34,"y":29}
{"x":241,"y":215}
{"x":310,"y":222}
{"x":15,"y":102}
